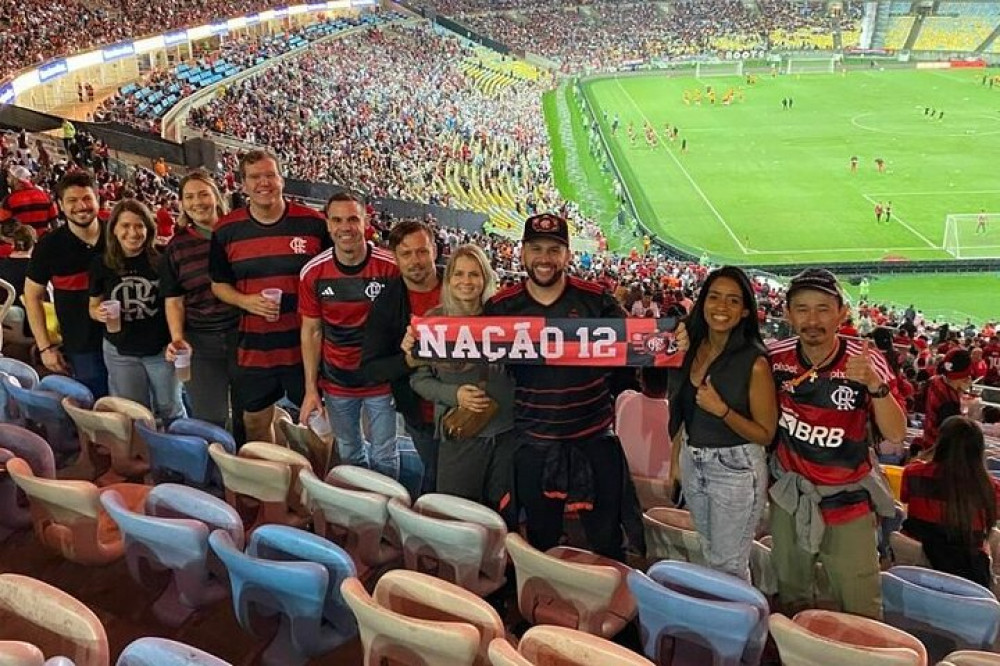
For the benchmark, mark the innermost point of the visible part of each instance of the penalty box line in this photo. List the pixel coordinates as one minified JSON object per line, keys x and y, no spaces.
{"x":907,"y":225}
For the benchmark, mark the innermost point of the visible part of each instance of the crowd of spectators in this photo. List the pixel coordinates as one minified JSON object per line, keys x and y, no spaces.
{"x":32,"y":31}
{"x":391,"y":113}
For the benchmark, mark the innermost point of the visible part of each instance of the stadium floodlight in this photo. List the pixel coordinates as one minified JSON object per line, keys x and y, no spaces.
{"x":721,"y":68}
{"x":972,"y":235}
{"x":813,"y":65}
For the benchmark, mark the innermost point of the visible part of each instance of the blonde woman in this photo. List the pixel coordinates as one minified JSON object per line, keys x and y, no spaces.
{"x":478,"y":468}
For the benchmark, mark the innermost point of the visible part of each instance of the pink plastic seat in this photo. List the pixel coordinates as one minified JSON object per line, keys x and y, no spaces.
{"x":108,"y":441}
{"x":51,"y":620}
{"x":19,"y":653}
{"x":571,"y":588}
{"x":68,"y":516}
{"x":262,"y":483}
{"x":453,"y":538}
{"x":907,"y":551}
{"x":972,"y":658}
{"x":559,"y":646}
{"x":350,"y":509}
{"x":827,"y":638}
{"x":387,"y":636}
{"x":17,"y":442}
{"x":424,"y":597}
{"x":641,"y":424}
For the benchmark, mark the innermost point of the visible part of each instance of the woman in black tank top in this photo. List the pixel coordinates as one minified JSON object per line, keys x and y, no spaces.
{"x":726,"y":401}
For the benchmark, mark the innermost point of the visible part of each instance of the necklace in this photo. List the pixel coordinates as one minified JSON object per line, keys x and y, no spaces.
{"x":812,"y":372}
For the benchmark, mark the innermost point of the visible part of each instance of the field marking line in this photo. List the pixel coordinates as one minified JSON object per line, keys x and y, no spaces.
{"x":680,"y":166}
{"x":905,"y":224}
{"x":844,"y":250}
{"x":934,"y":194}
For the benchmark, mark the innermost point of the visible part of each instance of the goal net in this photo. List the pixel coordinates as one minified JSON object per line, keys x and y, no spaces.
{"x":725,"y":68}
{"x":827,"y":65}
{"x":972,"y":235}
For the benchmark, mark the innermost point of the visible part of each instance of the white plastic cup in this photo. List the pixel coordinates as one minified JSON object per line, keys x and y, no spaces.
{"x":320,"y":425}
{"x":273,"y":295}
{"x":113,"y":310}
{"x":182,"y":364}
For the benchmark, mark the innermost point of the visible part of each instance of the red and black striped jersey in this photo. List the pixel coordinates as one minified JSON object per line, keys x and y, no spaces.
{"x":922,"y":492}
{"x":341,"y":297}
{"x":184,"y":274}
{"x":252,"y":257}
{"x":823,"y":422}
{"x":64,"y":260}
{"x":560,"y":402}
{"x":32,"y":207}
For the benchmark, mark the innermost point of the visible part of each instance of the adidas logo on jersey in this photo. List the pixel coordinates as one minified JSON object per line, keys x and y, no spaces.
{"x":327,"y":292}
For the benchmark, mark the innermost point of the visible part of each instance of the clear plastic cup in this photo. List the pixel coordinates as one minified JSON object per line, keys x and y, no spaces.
{"x":113,"y":309}
{"x":273,"y":295}
{"x":182,"y":364}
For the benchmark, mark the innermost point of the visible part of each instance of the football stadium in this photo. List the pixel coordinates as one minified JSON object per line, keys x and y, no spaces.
{"x":499,"y":332}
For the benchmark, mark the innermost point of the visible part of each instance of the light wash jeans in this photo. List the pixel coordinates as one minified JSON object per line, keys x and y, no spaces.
{"x":725,"y":491}
{"x":148,"y":380}
{"x":380,"y":453}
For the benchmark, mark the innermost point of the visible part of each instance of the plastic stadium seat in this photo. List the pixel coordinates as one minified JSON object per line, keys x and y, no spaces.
{"x":19,"y":653}
{"x":171,"y":533}
{"x":907,"y":551}
{"x":399,"y":639}
{"x":945,"y":612}
{"x":53,"y":621}
{"x":108,"y":438}
{"x":761,"y":569}
{"x":568,"y":647}
{"x":322,"y":453}
{"x":16,"y":442}
{"x":571,"y":588}
{"x":294,"y":574}
{"x":355,"y":515}
{"x":826,"y":638}
{"x":42,"y":406}
{"x":150,"y":651}
{"x":641,"y":425}
{"x":27,"y":378}
{"x":686,"y":609}
{"x":972,"y":658}
{"x":670,"y":535}
{"x":68,"y":516}
{"x":424,"y":597}
{"x":260,"y":490}
{"x":455,"y":539}
{"x":181,"y":453}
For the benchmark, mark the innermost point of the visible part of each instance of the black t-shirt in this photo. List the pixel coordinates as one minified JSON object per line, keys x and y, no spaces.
{"x":144,"y":322}
{"x":14,"y":270}
{"x":64,"y":260}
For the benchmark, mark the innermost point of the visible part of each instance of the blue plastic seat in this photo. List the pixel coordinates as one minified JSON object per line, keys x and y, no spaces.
{"x":993,"y":464}
{"x":411,"y":467}
{"x":182,"y":453}
{"x":151,"y":651}
{"x":173,"y":535}
{"x":699,"y":610}
{"x":294,"y":574}
{"x":16,"y":442}
{"x":25,"y":375}
{"x":42,"y":405}
{"x":945,"y":612}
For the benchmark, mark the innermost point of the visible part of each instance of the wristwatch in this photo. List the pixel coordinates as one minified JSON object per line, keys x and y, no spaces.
{"x":881,"y":392}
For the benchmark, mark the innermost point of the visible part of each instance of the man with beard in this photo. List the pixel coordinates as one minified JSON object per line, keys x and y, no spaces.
{"x":417,"y":290}
{"x":830,"y":389}
{"x":63,"y":257}
{"x":569,"y":458}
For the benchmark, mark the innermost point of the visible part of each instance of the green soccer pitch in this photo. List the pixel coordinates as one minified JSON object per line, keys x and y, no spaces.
{"x":759,"y":184}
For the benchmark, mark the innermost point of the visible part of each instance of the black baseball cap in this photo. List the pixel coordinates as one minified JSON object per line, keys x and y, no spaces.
{"x":817,"y":279}
{"x":546,"y":225}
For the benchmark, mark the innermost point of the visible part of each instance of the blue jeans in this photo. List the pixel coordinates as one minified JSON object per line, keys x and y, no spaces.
{"x":725,"y":491}
{"x":89,"y":370}
{"x":148,"y":380}
{"x":380,"y":454}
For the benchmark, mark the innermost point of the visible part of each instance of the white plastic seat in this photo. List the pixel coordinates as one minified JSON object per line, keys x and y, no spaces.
{"x":571,"y":588}
{"x":568,"y":647}
{"x":670,"y":535}
{"x":258,"y":488}
{"x":826,"y":638}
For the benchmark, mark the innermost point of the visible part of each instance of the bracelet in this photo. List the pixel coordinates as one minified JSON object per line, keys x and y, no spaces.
{"x":728,"y":409}
{"x":42,"y":351}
